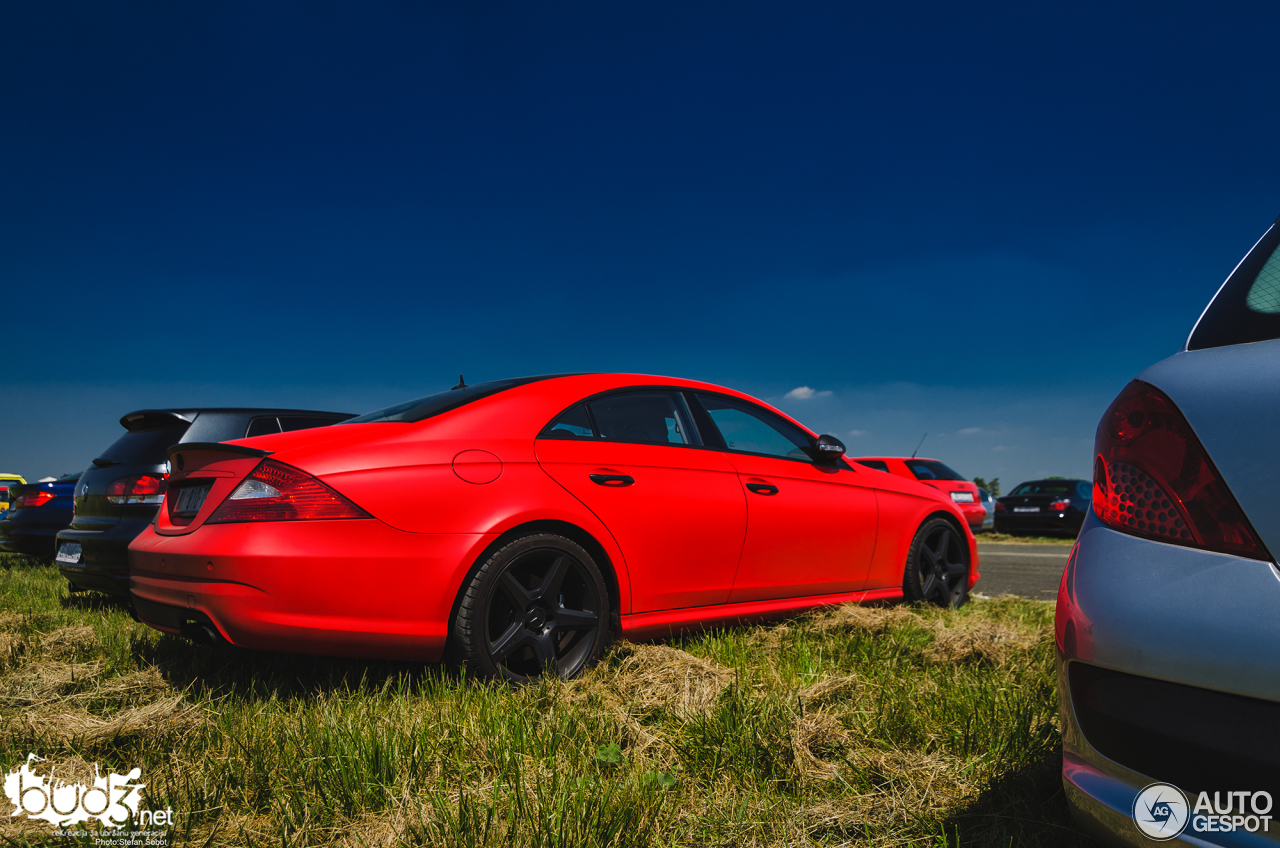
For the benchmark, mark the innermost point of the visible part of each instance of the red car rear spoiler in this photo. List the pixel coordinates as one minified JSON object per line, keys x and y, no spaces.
{"x":216,"y":446}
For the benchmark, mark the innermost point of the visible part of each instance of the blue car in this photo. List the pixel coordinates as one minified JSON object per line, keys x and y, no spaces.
{"x":37,"y":511}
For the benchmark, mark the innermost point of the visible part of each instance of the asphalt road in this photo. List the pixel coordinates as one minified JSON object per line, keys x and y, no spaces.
{"x":1032,"y":571}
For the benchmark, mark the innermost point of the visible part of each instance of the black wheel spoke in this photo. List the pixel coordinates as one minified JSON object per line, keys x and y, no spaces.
{"x":955,"y":569}
{"x":930,"y":558}
{"x":516,"y":593}
{"x":550,"y":587}
{"x":567,"y":619}
{"x":929,"y":584}
{"x":511,"y":638}
{"x":942,"y":546}
{"x":544,"y":648}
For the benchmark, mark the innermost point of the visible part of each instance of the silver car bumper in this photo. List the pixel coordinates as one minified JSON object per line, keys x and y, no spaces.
{"x":1167,"y":615}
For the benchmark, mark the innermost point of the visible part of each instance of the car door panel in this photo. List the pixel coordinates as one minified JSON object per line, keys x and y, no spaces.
{"x":811,"y":527}
{"x":811,"y":530}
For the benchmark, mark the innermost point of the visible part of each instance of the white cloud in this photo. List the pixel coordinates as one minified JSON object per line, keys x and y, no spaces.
{"x":969,"y":431}
{"x":804,"y":393}
{"x":857,"y":432}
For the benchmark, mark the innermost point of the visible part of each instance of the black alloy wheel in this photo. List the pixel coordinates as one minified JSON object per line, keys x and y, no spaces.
{"x":938,"y":565}
{"x":538,"y":605}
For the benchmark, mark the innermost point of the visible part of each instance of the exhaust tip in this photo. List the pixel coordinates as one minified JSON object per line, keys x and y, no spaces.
{"x":201,"y":631}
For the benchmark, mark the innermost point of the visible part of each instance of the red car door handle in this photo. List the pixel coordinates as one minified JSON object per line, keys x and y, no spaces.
{"x":762,"y":488}
{"x":613,"y":481}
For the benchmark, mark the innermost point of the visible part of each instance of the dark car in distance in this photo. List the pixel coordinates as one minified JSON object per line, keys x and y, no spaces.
{"x":1044,"y":506}
{"x":37,"y":511}
{"x":119,"y":494}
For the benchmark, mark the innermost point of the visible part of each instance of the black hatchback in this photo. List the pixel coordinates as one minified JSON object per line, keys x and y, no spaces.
{"x":119,"y":495}
{"x":1052,"y":506}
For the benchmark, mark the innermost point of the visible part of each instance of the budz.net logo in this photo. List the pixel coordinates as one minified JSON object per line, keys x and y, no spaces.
{"x":112,"y":800}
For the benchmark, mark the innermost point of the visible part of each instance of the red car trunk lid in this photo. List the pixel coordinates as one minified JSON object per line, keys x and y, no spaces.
{"x":201,"y":476}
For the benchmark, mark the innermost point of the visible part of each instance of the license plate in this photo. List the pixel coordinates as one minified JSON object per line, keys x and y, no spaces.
{"x":1026,"y":509}
{"x":190,"y":500}
{"x":68,"y":552}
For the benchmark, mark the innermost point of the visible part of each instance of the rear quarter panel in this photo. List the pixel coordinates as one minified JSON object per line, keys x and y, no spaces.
{"x":1231,"y":398}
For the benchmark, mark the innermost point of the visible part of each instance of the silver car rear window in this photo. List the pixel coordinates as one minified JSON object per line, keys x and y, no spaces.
{"x":1247,"y":307}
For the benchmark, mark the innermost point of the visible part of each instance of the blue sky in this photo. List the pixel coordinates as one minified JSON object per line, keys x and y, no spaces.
{"x":974,"y":221}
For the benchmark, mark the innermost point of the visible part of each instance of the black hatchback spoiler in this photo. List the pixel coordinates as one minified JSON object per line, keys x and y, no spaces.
{"x":154,"y":419}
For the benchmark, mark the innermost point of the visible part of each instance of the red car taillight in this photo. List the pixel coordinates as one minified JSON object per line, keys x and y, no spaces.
{"x":1059,"y":506}
{"x":278,"y":492}
{"x":1000,"y":507}
{"x":1153,"y":478}
{"x":36,"y":497}
{"x":138,"y":489}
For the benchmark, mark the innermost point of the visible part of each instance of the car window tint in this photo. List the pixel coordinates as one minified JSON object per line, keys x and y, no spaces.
{"x":1247,"y":307}
{"x":572,"y":424}
{"x":745,"y":427}
{"x":928,"y":469}
{"x":219,"y":426}
{"x":645,"y":417}
{"x":290,"y":423}
{"x":262,"y":426}
{"x":877,"y":464}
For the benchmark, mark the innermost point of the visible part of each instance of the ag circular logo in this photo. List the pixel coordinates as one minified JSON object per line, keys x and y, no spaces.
{"x":1161,"y":811}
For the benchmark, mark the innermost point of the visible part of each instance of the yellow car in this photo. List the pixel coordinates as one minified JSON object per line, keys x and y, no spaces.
{"x":6,"y":480}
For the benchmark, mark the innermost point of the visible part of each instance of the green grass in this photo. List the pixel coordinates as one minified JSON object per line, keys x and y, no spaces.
{"x":1017,"y":538}
{"x":859,"y":726}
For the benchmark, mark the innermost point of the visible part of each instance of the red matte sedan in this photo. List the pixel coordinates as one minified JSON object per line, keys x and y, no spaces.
{"x":514,"y":526}
{"x":933,"y":473}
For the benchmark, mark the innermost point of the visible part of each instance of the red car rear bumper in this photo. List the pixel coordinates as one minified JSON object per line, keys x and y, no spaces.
{"x":316,"y":587}
{"x":974,"y":513}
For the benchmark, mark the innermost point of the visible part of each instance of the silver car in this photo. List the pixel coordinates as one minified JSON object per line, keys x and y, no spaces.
{"x":1168,"y":619}
{"x":989,"y":504}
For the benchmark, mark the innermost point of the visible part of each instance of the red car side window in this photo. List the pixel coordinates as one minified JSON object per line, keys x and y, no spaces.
{"x":643,"y":417}
{"x":752,"y":430}
{"x":573,"y":423}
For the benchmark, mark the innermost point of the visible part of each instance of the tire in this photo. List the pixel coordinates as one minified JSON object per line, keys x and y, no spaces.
{"x":937,"y":569}
{"x":537,"y":605}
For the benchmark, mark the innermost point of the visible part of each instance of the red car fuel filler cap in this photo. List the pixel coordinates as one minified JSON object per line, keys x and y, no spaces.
{"x":477,"y":466}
